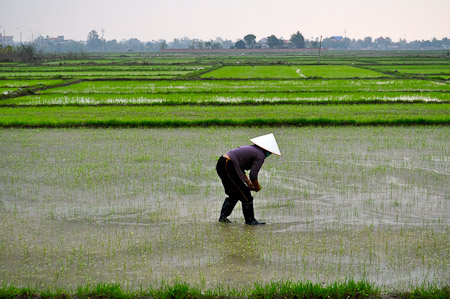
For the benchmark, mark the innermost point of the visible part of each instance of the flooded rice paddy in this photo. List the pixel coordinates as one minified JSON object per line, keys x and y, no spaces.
{"x":140,"y":207}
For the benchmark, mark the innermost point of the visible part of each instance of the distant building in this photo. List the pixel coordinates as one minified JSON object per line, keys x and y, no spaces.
{"x":50,"y":41}
{"x":6,"y":40}
{"x":58,"y":39}
{"x":336,"y":38}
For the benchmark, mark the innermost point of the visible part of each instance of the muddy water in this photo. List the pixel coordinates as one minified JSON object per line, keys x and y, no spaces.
{"x":140,"y":206}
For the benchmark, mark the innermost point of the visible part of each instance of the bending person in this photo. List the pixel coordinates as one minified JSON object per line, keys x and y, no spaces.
{"x":231,"y":169}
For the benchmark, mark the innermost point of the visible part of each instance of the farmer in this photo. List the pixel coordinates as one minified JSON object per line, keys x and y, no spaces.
{"x":231,"y":169}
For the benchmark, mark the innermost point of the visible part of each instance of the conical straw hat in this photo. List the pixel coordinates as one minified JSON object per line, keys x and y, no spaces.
{"x":268,"y":143}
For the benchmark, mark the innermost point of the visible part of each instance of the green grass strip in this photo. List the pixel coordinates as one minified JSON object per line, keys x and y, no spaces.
{"x":113,"y":123}
{"x":349,"y":289}
{"x":204,"y":116}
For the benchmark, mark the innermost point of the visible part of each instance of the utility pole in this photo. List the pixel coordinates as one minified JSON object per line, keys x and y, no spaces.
{"x":32,"y":37}
{"x":4,"y":36}
{"x":20,"y":34}
{"x":103,"y":39}
{"x":320,"y":47}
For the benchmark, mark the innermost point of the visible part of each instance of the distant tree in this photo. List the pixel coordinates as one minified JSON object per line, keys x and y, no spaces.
{"x":193,"y":44}
{"x":240,"y":44}
{"x":6,"y":53}
{"x":93,"y":41}
{"x":345,"y":43}
{"x":208,"y":45}
{"x":250,"y":40}
{"x":314,"y":44}
{"x":26,"y":53}
{"x":227,"y":43}
{"x":163,"y":45}
{"x":298,"y":40}
{"x":382,"y":42}
{"x":274,"y":42}
{"x":150,"y":46}
{"x":134,"y":44}
{"x":216,"y":45}
{"x":367,"y":42}
{"x":93,"y":35}
{"x":112,"y":45}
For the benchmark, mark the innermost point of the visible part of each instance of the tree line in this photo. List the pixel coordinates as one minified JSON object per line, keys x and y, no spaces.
{"x":95,"y":43}
{"x":23,"y":53}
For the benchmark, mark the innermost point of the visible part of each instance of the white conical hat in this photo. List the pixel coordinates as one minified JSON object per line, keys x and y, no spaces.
{"x":268,"y":143}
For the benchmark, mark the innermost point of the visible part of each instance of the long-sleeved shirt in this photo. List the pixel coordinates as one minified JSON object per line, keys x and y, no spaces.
{"x":249,"y":157}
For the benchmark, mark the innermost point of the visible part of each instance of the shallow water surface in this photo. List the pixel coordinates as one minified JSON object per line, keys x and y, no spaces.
{"x":140,"y":207}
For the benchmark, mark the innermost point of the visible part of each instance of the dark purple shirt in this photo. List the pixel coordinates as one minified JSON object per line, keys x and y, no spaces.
{"x":249,"y":157}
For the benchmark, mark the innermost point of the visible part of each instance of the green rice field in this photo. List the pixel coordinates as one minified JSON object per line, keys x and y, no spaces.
{"x":301,"y":71}
{"x":258,"y":71}
{"x":107,"y":175}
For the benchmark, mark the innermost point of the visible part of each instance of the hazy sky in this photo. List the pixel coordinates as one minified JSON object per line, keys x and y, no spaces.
{"x":229,"y":19}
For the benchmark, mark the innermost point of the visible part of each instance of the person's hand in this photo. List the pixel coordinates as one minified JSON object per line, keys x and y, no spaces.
{"x":256,"y":186}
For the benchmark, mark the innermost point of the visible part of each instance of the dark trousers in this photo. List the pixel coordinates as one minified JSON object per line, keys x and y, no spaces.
{"x":234,"y":187}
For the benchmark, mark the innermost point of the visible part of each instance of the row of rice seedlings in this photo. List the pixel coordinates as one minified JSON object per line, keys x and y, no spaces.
{"x":83,"y":74}
{"x":229,"y":98}
{"x":403,"y":60}
{"x":285,"y":289}
{"x":415,"y":69}
{"x":157,"y":60}
{"x":173,"y":116}
{"x":27,"y":83}
{"x":338,"y":204}
{"x":11,"y":86}
{"x":339,"y":71}
{"x":96,"y":75}
{"x":285,"y":86}
{"x":274,"y":289}
{"x":102,"y":68}
{"x":6,"y":90}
